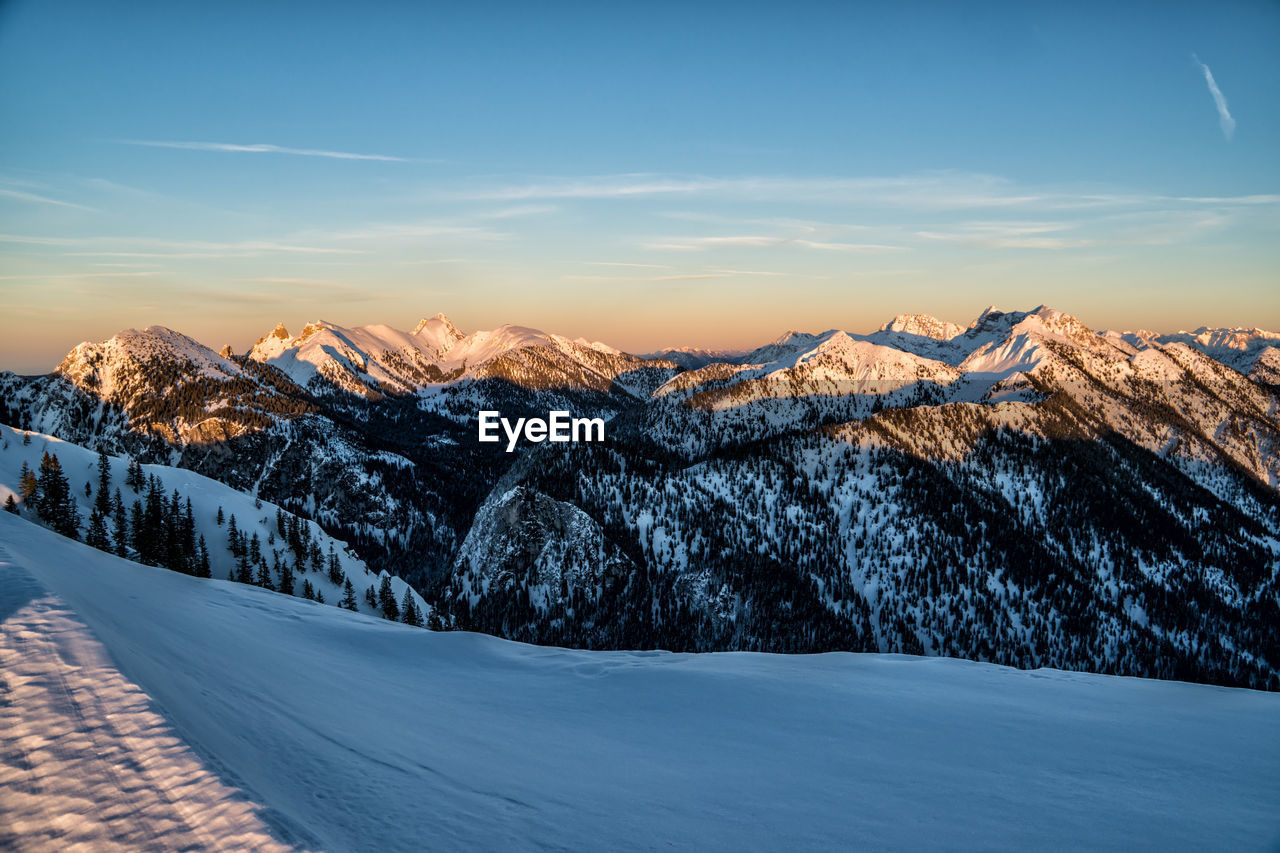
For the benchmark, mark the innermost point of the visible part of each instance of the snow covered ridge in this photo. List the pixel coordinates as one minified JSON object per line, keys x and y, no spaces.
{"x":375,"y":360}
{"x":227,"y":534}
{"x":1188,"y":397}
{"x":158,"y":711}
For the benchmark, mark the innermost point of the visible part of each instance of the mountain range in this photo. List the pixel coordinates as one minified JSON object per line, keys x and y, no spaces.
{"x":1021,"y":490}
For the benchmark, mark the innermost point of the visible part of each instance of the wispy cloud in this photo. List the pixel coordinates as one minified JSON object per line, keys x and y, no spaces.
{"x":147,"y":247}
{"x":697,"y":244}
{"x":40,"y":199}
{"x":298,"y":287}
{"x":1261,"y":198}
{"x":263,"y":148}
{"x":606,"y":186}
{"x":685,"y":276}
{"x":416,"y":230}
{"x":929,"y":192}
{"x":938,"y":190}
{"x":768,"y":273}
{"x":625,"y":264}
{"x":1227,"y":123}
{"x":519,"y":211}
{"x":432,"y":261}
{"x":301,"y":282}
{"x":1009,"y":235}
{"x":70,"y":276}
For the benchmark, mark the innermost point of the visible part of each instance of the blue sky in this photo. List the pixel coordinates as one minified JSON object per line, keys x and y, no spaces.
{"x":646,"y":174}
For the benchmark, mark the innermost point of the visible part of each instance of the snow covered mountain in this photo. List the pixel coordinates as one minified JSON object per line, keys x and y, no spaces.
{"x":1162,"y":394}
{"x":1023,"y":489}
{"x":375,"y":360}
{"x":691,"y":358}
{"x":1253,"y":352}
{"x":150,"y":710}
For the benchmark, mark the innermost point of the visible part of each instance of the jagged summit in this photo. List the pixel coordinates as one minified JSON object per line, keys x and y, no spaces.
{"x":437,"y":326}
{"x":993,"y":318}
{"x":379,"y":359}
{"x":924,"y":325}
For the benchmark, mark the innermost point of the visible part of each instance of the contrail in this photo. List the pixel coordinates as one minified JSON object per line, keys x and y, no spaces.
{"x":1224,"y":114}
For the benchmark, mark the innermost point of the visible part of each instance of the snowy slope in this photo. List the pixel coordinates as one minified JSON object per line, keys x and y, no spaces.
{"x":337,"y":731}
{"x":207,"y":496}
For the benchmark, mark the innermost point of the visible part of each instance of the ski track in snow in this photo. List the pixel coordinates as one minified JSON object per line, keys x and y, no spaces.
{"x":340,"y":731}
{"x":85,"y":761}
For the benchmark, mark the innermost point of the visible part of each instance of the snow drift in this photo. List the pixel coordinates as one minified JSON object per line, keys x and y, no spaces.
{"x":332,"y":730}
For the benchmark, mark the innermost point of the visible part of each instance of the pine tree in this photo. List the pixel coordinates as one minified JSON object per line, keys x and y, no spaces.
{"x":97,"y":535}
{"x":308,"y":591}
{"x":203,"y":569}
{"x":56,"y":506}
{"x":102,"y":503}
{"x":220,"y":518}
{"x":150,"y":530}
{"x":136,"y":522}
{"x":10,"y":505}
{"x":176,"y":554}
{"x":189,"y":529}
{"x":371,"y":596}
{"x":244,"y":572}
{"x":320,"y":596}
{"x":120,"y":526}
{"x":134,"y":478}
{"x":409,"y":614}
{"x":286,"y":576}
{"x":387,"y":600}
{"x":264,"y":577}
{"x":28,"y":484}
{"x":348,"y":597}
{"x":335,"y":567}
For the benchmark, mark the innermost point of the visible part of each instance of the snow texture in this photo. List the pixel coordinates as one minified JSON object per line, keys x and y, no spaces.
{"x":225,"y":711}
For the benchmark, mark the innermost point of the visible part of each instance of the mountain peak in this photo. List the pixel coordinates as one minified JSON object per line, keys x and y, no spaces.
{"x":987,"y":315}
{"x":923,"y":325}
{"x":271,"y":344}
{"x":439,"y":326}
{"x":114,"y":369}
{"x":276,"y":335}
